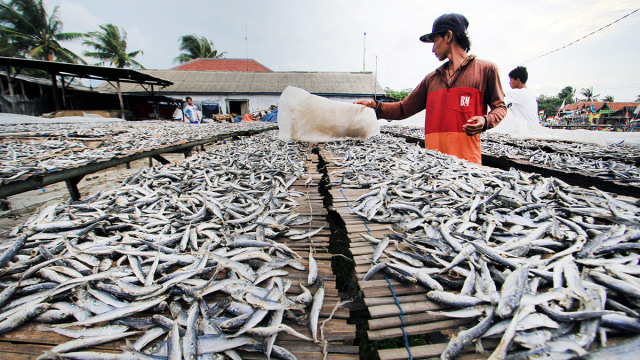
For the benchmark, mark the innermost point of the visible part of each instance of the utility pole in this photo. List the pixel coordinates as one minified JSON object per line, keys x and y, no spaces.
{"x":375,"y":81}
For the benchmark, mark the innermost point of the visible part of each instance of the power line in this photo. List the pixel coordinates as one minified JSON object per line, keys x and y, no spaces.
{"x":573,"y":42}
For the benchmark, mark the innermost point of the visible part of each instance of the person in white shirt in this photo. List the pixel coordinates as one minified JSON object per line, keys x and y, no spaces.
{"x":191,"y":112}
{"x":521,"y":101}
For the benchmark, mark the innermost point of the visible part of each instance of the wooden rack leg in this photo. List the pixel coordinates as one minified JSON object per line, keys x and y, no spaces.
{"x":72,"y":186}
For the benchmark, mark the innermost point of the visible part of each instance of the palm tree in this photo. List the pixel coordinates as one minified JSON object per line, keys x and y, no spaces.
{"x":194,"y":46}
{"x":588,"y":93}
{"x":638,"y":98}
{"x":110,"y":47}
{"x":567,"y":94}
{"x":608,"y":98}
{"x":7,"y":48}
{"x":31,"y":32}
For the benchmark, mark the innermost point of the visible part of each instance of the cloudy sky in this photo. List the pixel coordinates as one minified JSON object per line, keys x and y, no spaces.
{"x":328,"y":35}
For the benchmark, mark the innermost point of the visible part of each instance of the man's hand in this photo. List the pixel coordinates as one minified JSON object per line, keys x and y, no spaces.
{"x":368,"y":103}
{"x":474,"y":125}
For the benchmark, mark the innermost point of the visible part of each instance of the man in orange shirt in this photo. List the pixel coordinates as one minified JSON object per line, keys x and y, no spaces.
{"x":456,"y":95}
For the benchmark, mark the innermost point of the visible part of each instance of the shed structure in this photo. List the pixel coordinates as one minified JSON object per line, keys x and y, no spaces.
{"x":65,"y":73}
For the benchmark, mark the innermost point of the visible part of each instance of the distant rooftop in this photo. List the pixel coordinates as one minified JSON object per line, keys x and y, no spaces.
{"x":597,"y":105}
{"x":260,"y":82}
{"x":209,"y":64}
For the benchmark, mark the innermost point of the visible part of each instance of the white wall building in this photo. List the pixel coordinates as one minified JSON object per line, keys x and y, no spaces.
{"x":242,"y":92}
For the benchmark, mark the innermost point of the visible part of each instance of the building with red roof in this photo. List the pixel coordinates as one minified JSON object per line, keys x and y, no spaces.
{"x":220,"y":64}
{"x":244,"y":86}
{"x":601,"y":112}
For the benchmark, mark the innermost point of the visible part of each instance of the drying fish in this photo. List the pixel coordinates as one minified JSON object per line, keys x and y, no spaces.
{"x":313,"y":269}
{"x":507,"y":242}
{"x":148,"y":257}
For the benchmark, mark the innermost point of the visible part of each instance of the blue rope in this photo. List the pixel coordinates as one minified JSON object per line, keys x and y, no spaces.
{"x":404,"y":332}
{"x":36,"y":186}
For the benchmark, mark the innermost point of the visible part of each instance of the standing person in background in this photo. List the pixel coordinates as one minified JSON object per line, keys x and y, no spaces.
{"x":191,"y":112}
{"x":521,"y":101}
{"x":455,"y":95}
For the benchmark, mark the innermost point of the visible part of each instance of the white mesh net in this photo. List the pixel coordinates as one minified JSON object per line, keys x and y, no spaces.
{"x":306,"y":117}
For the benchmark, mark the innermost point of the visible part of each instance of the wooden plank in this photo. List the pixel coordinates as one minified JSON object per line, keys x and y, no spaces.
{"x":399,"y":290}
{"x":380,"y":282}
{"x":304,"y":355}
{"x":362,"y":250}
{"x":409,"y":319}
{"x":375,"y":335}
{"x":434,"y":351}
{"x":19,"y":351}
{"x":391,"y":300}
{"x":334,"y":330}
{"x":354,"y":243}
{"x":332,"y":347}
{"x":381,"y":311}
{"x":370,"y":227}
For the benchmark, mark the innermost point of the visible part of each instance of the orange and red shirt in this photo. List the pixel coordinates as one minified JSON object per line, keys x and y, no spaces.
{"x":450,"y":103}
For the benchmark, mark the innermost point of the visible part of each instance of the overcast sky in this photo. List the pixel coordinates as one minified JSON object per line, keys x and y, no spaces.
{"x":328,"y":35}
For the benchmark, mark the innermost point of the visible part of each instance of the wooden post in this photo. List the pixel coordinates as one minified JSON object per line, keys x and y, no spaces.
{"x":72,"y":187}
{"x":54,"y":87}
{"x":11,"y":94}
{"x":24,"y":95}
{"x":156,"y":112}
{"x":64,"y":93}
{"x":121,"y":103}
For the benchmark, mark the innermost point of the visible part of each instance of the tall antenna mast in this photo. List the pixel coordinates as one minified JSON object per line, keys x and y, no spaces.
{"x":375,"y":81}
{"x":364,"y":50}
{"x":246,"y":45}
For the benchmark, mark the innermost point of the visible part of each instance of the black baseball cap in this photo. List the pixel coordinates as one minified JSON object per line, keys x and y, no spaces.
{"x":455,"y":22}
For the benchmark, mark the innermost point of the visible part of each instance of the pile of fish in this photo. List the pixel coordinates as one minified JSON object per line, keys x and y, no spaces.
{"x":620,"y":151}
{"x":403,"y":131}
{"x":546,"y":268}
{"x":617,"y":161}
{"x":182,"y":259}
{"x":50,"y":147}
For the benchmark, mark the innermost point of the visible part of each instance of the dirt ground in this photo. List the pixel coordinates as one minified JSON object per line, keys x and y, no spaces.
{"x":22,"y":206}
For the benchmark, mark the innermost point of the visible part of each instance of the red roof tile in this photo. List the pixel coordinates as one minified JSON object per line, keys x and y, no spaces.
{"x":206,"y":64}
{"x":614,"y":106}
{"x":618,"y":106}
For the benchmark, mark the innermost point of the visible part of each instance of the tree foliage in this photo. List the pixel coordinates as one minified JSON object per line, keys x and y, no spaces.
{"x":397,"y":95}
{"x":7,"y":48}
{"x":27,"y":30}
{"x":194,"y":46}
{"x":568,"y":95}
{"x":608,"y":98}
{"x":589,"y":94}
{"x":549,"y":104}
{"x":110,"y":47}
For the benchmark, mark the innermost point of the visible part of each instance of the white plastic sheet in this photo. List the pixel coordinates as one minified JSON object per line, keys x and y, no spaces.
{"x":523,"y":129}
{"x":306,"y":117}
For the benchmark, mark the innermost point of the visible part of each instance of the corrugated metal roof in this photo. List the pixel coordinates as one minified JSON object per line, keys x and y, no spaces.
{"x":45,"y":82}
{"x":85,"y":71}
{"x":225,"y":82}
